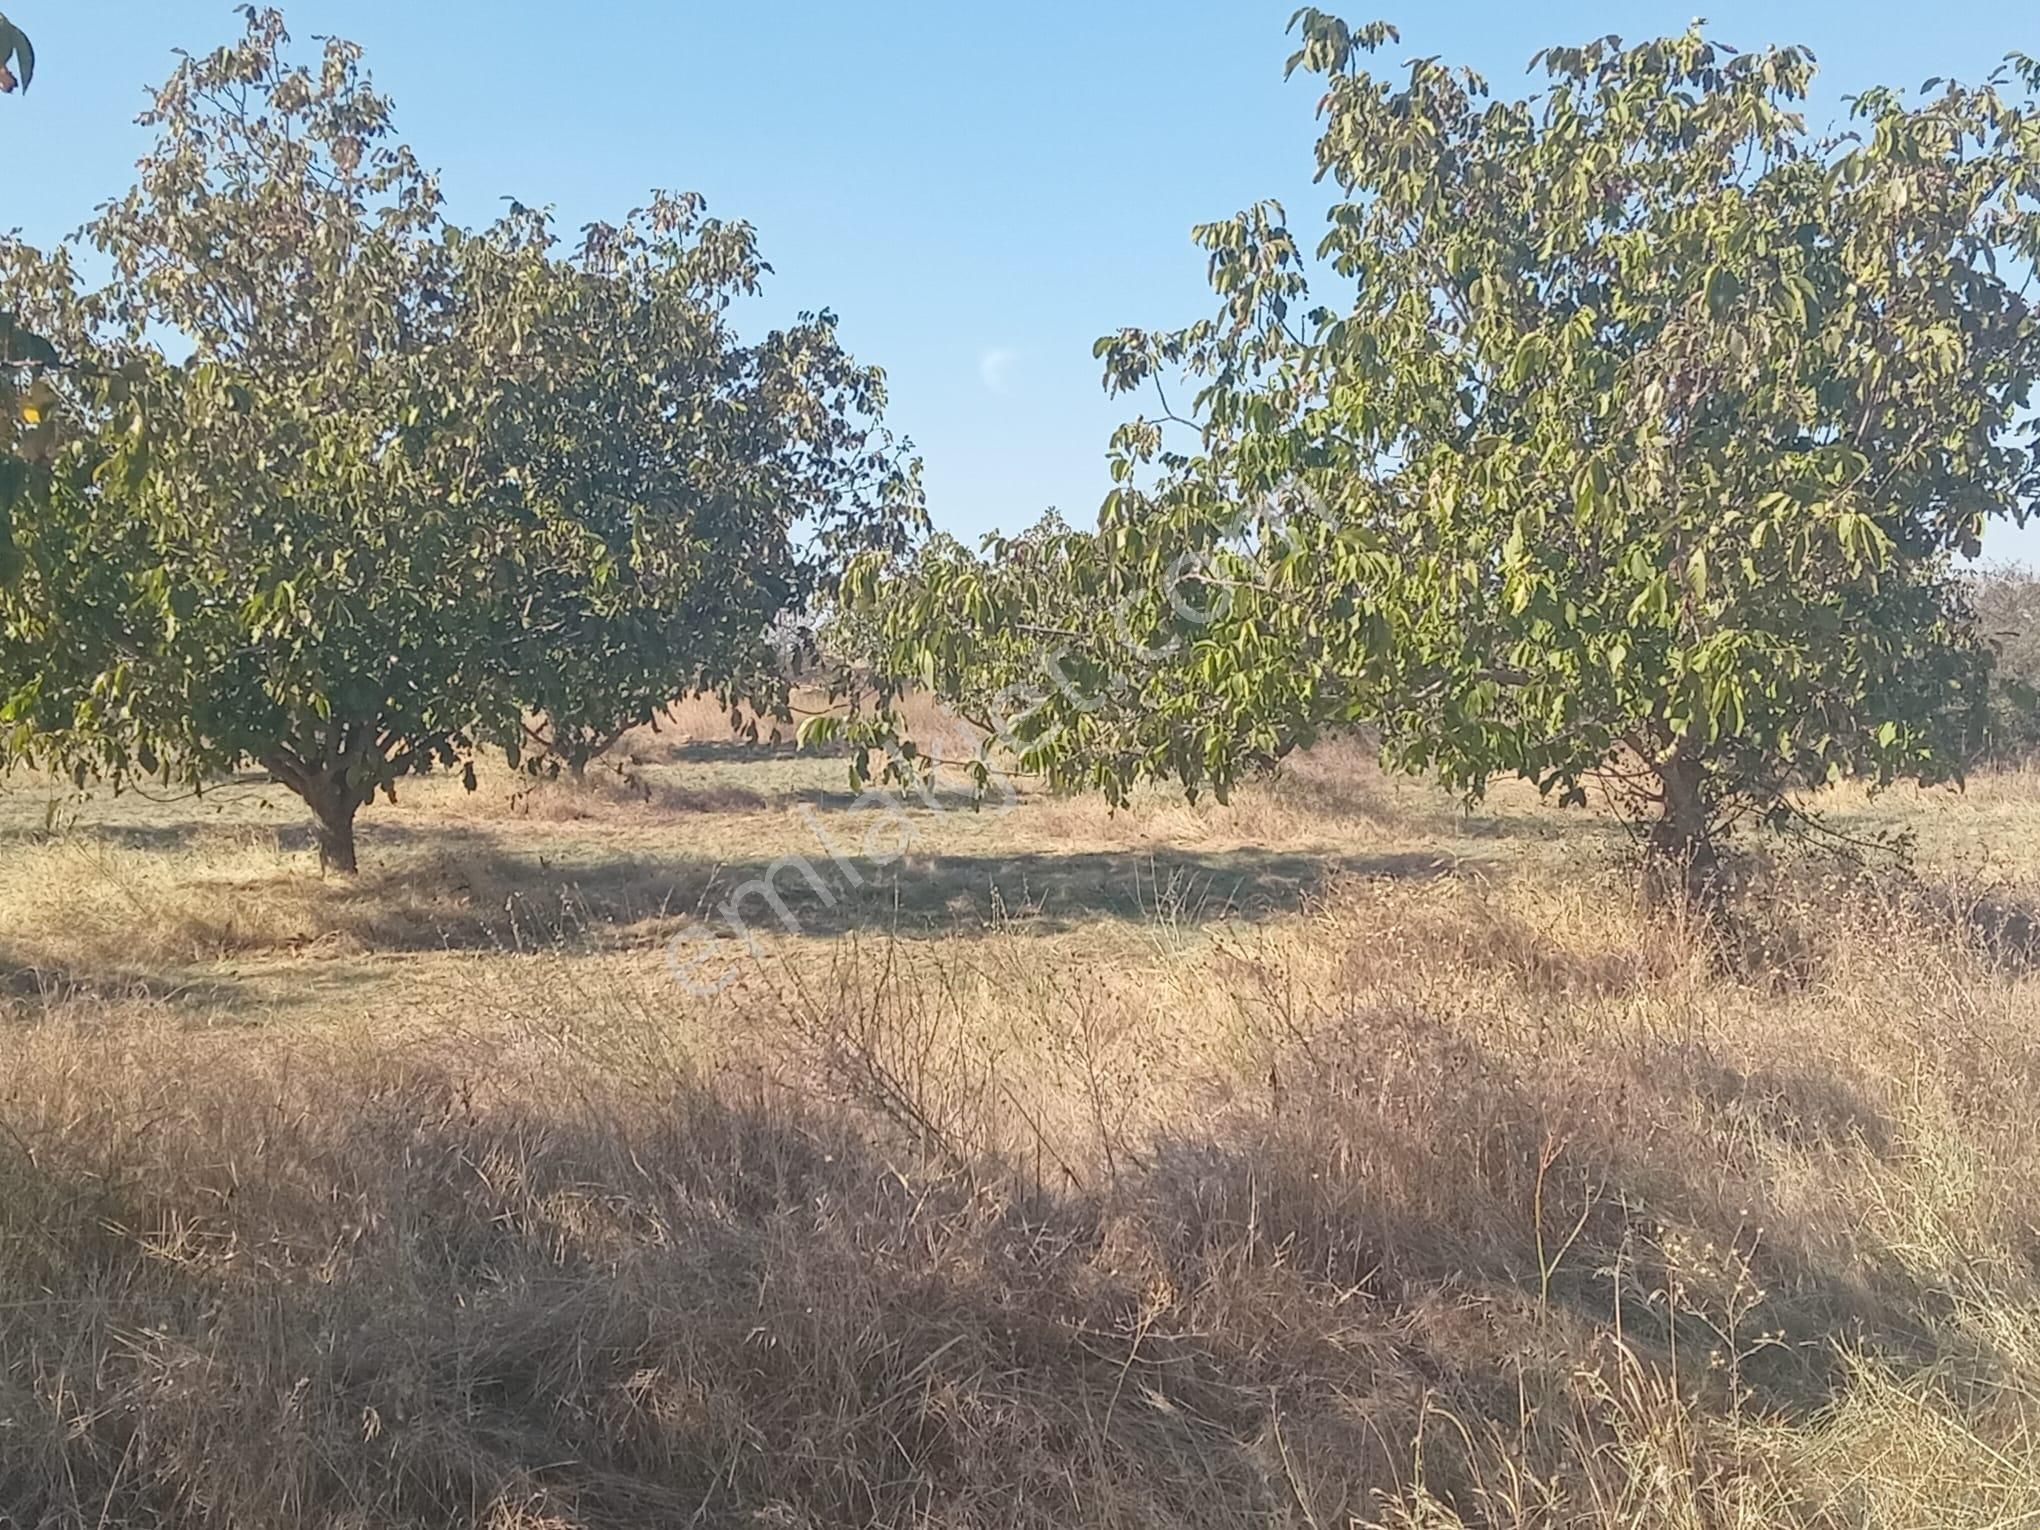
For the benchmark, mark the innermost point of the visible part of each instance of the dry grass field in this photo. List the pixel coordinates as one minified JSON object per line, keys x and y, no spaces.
{"x":1337,"y":1158}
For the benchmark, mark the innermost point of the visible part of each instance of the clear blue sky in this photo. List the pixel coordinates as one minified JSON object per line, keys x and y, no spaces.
{"x":979,"y":191}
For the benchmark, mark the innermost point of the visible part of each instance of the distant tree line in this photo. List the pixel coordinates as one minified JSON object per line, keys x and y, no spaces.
{"x":2007,"y":607}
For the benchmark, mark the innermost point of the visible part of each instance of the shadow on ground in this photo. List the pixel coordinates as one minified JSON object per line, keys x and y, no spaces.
{"x":31,"y":984}
{"x":753,"y":1313}
{"x":482,"y":894}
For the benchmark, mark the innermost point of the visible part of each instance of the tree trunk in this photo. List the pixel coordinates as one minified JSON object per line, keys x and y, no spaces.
{"x":336,"y":832}
{"x":1682,"y":865}
{"x":591,"y":748}
{"x":333,"y":804}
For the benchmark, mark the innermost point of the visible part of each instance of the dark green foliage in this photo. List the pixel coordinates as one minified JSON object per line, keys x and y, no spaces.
{"x":681,"y":489}
{"x":15,"y":50}
{"x":406,"y":490}
{"x":1635,"y":450}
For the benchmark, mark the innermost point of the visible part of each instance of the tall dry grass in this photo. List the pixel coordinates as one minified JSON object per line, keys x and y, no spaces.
{"x":1447,"y":1204}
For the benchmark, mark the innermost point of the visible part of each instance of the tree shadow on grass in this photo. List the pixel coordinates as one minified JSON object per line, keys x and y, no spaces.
{"x":690,"y":1302}
{"x":467,"y":888}
{"x":32,"y":985}
{"x":690,"y":1321}
{"x":287,"y":832}
{"x":701,"y":751}
{"x":481,"y":895}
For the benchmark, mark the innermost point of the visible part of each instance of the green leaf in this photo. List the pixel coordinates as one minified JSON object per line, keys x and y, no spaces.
{"x":14,"y":43}
{"x":1723,"y":288}
{"x":822,"y":729}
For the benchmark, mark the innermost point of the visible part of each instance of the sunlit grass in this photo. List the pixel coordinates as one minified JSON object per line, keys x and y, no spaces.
{"x":1337,"y":1157}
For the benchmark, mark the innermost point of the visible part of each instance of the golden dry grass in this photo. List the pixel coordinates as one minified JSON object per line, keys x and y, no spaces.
{"x":1337,"y":1159}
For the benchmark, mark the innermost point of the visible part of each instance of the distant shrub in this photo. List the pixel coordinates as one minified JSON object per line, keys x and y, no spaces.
{"x":2007,"y":606}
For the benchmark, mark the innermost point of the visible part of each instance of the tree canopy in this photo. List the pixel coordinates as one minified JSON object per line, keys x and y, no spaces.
{"x":687,"y":489}
{"x":1638,"y":450}
{"x":409,"y":490}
